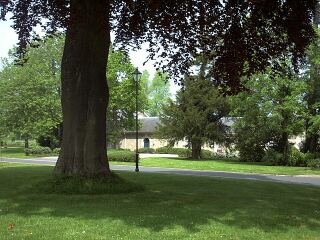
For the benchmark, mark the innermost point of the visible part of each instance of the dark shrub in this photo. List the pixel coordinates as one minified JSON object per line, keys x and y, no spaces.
{"x":121,"y":155}
{"x":314,"y":163}
{"x":146,"y":150}
{"x":165,"y":150}
{"x":297,"y":158}
{"x":38,"y":150}
{"x":272,"y":157}
{"x":206,"y":154}
{"x":183,"y":152}
{"x":250,"y":152}
{"x":56,"y":151}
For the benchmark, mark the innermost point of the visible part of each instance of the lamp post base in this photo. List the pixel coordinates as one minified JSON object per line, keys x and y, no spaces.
{"x":137,"y":162}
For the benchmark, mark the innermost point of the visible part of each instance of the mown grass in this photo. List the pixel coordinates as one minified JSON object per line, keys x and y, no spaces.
{"x":171,"y":207}
{"x":12,"y":152}
{"x":224,"y":165}
{"x":213,"y":165}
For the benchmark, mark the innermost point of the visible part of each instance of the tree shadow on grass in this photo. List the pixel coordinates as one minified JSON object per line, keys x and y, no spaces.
{"x":184,"y":201}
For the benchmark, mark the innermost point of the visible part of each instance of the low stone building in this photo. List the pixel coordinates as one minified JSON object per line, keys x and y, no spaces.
{"x":146,"y":135}
{"x":148,"y":139}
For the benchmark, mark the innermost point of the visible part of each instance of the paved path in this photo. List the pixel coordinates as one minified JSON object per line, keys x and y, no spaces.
{"x":310,"y":180}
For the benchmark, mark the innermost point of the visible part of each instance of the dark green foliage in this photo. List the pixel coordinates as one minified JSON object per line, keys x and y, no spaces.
{"x":250,"y":150}
{"x":196,"y":115}
{"x":296,"y":158}
{"x":121,"y":108}
{"x":314,"y":163}
{"x":38,"y":150}
{"x":146,"y":150}
{"x":158,"y":94}
{"x":239,"y":36}
{"x":271,"y":157}
{"x":311,"y":74}
{"x":50,"y":141}
{"x":80,"y":185}
{"x":56,"y":151}
{"x":183,"y":152}
{"x":30,"y":94}
{"x":269,"y":113}
{"x":121,"y":155}
{"x":206,"y":154}
{"x":172,"y":150}
{"x":165,"y":150}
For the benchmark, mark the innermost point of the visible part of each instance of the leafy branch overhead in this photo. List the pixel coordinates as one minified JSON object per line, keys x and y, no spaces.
{"x":240,"y":36}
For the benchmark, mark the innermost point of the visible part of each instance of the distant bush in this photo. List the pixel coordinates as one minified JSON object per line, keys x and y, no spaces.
{"x":272,"y":157}
{"x":206,"y":154}
{"x":121,"y":155}
{"x":229,"y":157}
{"x":56,"y":151}
{"x":297,"y":158}
{"x":184,"y":152}
{"x":38,"y":150}
{"x":146,"y":150}
{"x":314,"y":163}
{"x":165,"y":150}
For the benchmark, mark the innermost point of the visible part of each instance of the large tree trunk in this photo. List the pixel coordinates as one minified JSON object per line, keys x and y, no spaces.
{"x":85,"y":91}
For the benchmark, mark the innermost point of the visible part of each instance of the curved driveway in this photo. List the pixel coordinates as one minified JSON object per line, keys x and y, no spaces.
{"x":310,"y":180}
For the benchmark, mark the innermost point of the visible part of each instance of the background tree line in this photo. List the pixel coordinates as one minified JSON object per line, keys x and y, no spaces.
{"x":30,"y":95}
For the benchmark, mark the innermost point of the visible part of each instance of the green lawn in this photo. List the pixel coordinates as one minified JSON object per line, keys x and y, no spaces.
{"x":171,"y":207}
{"x":224,"y":165}
{"x":214,"y":165}
{"x":13,"y":152}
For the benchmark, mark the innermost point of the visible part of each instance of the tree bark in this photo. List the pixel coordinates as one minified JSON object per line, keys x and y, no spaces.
{"x":26,"y":142}
{"x":85,"y":91}
{"x":285,"y":147}
{"x":196,"y":149}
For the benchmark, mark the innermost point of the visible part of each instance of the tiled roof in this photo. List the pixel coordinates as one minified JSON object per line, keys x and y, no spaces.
{"x":149,"y":124}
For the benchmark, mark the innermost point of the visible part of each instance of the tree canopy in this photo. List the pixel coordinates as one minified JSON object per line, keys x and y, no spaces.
{"x":196,"y":115}
{"x":121,"y":109}
{"x":271,"y":111}
{"x":158,"y":93}
{"x":240,"y":37}
{"x":30,"y":95}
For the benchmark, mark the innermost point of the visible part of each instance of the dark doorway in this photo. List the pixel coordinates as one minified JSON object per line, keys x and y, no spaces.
{"x":146,"y":143}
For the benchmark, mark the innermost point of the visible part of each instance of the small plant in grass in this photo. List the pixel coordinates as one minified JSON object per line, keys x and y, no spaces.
{"x":83,"y":185}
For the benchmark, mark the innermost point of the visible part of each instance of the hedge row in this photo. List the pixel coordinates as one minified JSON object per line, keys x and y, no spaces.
{"x":121,"y":155}
{"x":183,"y":152}
{"x":295,"y":159}
{"x":38,"y":150}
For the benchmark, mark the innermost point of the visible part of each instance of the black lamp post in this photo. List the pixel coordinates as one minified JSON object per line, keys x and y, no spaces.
{"x":136,"y":77}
